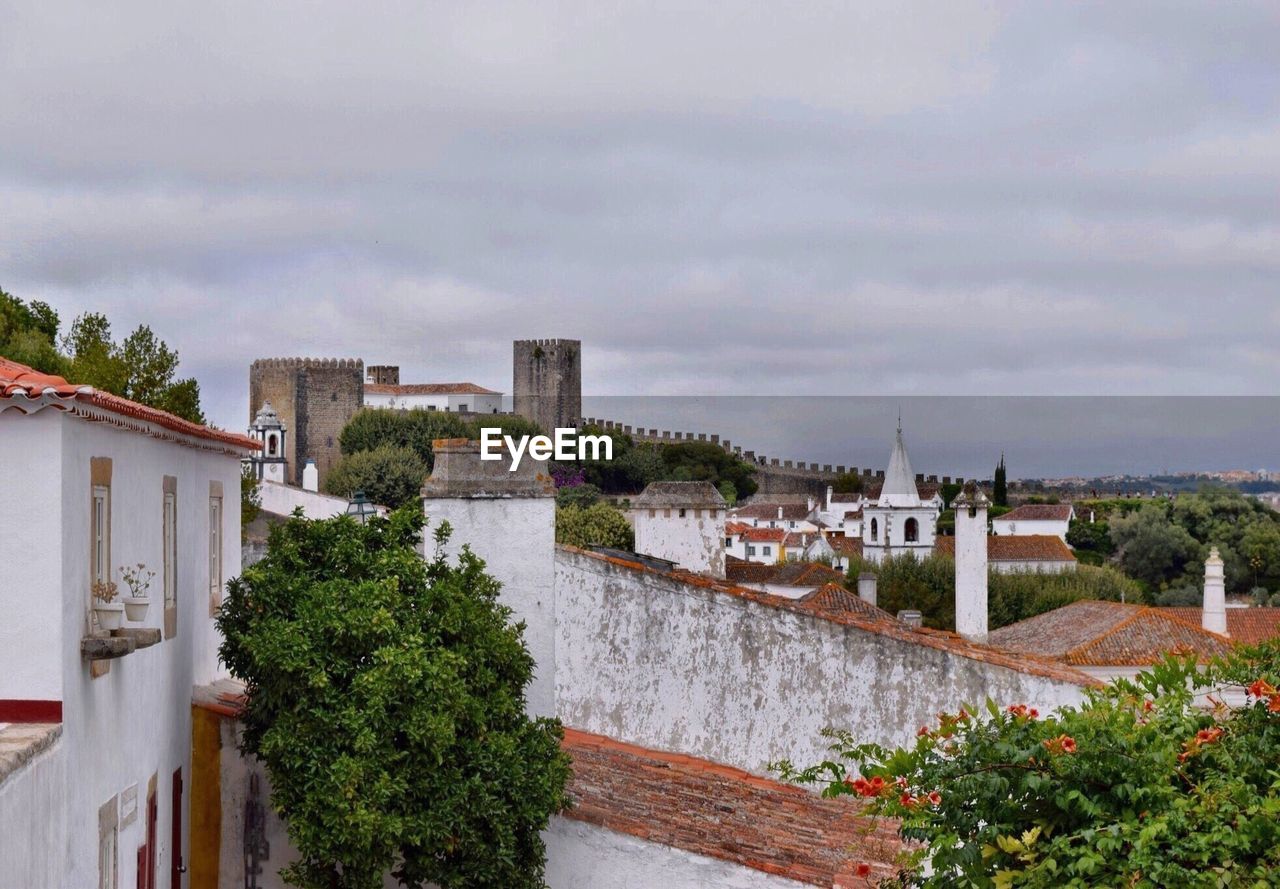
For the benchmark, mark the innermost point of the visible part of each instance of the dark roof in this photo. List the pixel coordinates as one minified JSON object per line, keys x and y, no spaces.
{"x":1038,"y":512}
{"x":742,"y":571}
{"x":1244,"y":625}
{"x":1016,"y":548}
{"x":805,"y":574}
{"x":685,"y":494}
{"x":1091,"y":633}
{"x":793,"y":512}
{"x":834,"y":597}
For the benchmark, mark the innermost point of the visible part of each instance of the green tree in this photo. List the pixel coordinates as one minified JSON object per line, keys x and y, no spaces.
{"x":1000,"y":486}
{"x":250,"y":499}
{"x":389,"y":475}
{"x":578,"y":495}
{"x":847,"y":483}
{"x":1151,"y":548}
{"x":729,"y":491}
{"x":29,"y":334}
{"x":95,"y":360}
{"x":600,"y":524}
{"x":1140,"y":786}
{"x":386,"y":700}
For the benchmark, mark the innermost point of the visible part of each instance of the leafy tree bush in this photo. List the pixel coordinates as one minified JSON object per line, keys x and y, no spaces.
{"x":373,"y":428}
{"x":1182,"y":595}
{"x":389,"y":475}
{"x":250,"y":499}
{"x":847,"y":483}
{"x":1000,"y":486}
{"x":600,"y":524}
{"x":1138,"y":787}
{"x":1091,"y":536}
{"x":904,"y":582}
{"x":386,"y":700}
{"x":1151,"y":548}
{"x":577,"y":495}
{"x":729,"y":491}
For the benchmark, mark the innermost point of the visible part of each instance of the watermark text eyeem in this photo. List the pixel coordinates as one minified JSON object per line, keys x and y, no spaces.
{"x":566,"y":445}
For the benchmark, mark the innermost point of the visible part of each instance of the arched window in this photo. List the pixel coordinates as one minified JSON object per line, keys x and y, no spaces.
{"x":875,"y":529}
{"x":271,"y":445}
{"x":911,"y":531}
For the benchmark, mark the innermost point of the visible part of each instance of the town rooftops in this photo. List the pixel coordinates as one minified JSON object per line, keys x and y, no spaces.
{"x":1102,"y":634}
{"x":834,"y":597}
{"x":28,"y":391}
{"x":888,"y":626}
{"x":1039,"y":512}
{"x":792,"y":512}
{"x":663,"y":495}
{"x":1247,"y":626}
{"x":763,"y":535}
{"x":427,"y":389}
{"x":1016,"y":548}
{"x":805,"y":574}
{"x":724,"y":813}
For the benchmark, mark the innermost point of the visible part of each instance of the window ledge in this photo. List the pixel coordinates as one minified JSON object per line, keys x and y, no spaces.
{"x":119,"y":643}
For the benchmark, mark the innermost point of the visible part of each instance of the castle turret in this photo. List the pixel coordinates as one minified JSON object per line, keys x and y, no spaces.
{"x":547,"y":382}
{"x":1213,"y":616}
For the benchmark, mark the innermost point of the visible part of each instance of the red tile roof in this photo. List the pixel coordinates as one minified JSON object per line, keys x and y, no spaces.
{"x":28,"y":390}
{"x":1248,"y":626}
{"x":732,"y":528}
{"x":1106,"y":634}
{"x":834,"y":597}
{"x":724,"y":813}
{"x":1016,"y":548}
{"x":892,"y":628}
{"x":846,"y":546}
{"x":428,"y":389}
{"x":1038,"y":512}
{"x":791,"y":512}
{"x":762,"y":535}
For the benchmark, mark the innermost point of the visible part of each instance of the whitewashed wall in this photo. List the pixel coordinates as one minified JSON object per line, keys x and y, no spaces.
{"x":1024,"y":527}
{"x":284,"y":499}
{"x":695,"y":541}
{"x":646,"y":659}
{"x":583,"y":856}
{"x":33,"y":823}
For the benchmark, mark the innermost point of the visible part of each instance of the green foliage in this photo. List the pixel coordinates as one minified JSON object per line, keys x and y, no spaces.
{"x":948,"y":493}
{"x":1137,"y":787}
{"x":928,"y":585}
{"x":729,"y":491}
{"x":386,"y":700}
{"x":703,"y":461}
{"x":600,"y":524}
{"x":29,"y":334}
{"x":374,"y":428}
{"x":1183,"y":595}
{"x":250,"y":499}
{"x":389,"y":475}
{"x":636,"y":464}
{"x":1151,"y":548}
{"x":847,"y":483}
{"x":1000,"y":486}
{"x":1092,"y":536}
{"x":578,"y":495}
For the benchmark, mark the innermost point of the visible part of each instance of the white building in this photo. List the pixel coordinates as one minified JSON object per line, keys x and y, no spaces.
{"x":1038,"y":553}
{"x":795,"y":516}
{"x":95,"y":723}
{"x":762,"y":545}
{"x":459,"y":398}
{"x":898,"y":521}
{"x":682,"y":522}
{"x":1035,"y":519}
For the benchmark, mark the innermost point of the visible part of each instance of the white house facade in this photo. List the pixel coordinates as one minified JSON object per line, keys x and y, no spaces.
{"x":1035,"y":519}
{"x":898,"y":522}
{"x":460,"y":398}
{"x":94,"y":483}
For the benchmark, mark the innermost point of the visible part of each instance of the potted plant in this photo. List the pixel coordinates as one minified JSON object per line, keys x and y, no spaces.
{"x":138,"y":580}
{"x":105,"y":607}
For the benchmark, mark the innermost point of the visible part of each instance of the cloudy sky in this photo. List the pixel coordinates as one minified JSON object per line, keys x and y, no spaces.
{"x":863,"y":198}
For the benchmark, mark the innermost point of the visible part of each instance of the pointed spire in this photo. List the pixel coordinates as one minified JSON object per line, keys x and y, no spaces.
{"x":899,"y":488}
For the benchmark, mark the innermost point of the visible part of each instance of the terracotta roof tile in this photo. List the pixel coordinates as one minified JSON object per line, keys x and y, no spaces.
{"x":1090,"y":633}
{"x":791,"y":512}
{"x":1248,"y":626}
{"x":762,"y":535}
{"x":1038,"y":512}
{"x":28,"y":390}
{"x":724,"y":813}
{"x":1016,"y":548}
{"x":428,"y":389}
{"x":834,"y":597}
{"x":846,"y":546}
{"x":742,"y":571}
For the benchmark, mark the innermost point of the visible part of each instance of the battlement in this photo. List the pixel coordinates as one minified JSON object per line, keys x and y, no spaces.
{"x":549,"y":342}
{"x":308,"y":363}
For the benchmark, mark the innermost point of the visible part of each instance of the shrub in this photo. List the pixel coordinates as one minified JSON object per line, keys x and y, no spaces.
{"x":577,"y":495}
{"x":386,"y":700}
{"x":600,"y":524}
{"x":389,"y":475}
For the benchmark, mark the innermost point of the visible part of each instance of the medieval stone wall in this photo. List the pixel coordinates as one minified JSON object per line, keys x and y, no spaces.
{"x":547,"y":382}
{"x":315,"y":397}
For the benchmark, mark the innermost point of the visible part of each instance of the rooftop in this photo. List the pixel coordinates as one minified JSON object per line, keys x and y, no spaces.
{"x":22,"y":742}
{"x":1247,"y":626}
{"x":1016,"y":548}
{"x":1104,"y":634}
{"x":28,"y":391}
{"x":662,"y":495}
{"x":1039,"y":512}
{"x":427,"y":389}
{"x":793,"y":512}
{"x":834,"y":597}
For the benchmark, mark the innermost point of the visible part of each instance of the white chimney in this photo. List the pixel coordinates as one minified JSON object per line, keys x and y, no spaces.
{"x":971,"y":562}
{"x":310,"y":477}
{"x":779,"y":512}
{"x":830,"y":491}
{"x":1214,"y":615}
{"x":867,"y":587}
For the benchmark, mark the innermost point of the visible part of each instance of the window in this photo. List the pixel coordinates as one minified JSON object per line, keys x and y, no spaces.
{"x":875,"y":529}
{"x":682,"y":513}
{"x":911,"y":531}
{"x":728,"y":541}
{"x":169,"y":563}
{"x":101,"y":534}
{"x":215,"y":546}
{"x":766,"y":550}
{"x":271,"y":444}
{"x":108,"y":844}
{"x":462,"y":408}
{"x":751,"y":550}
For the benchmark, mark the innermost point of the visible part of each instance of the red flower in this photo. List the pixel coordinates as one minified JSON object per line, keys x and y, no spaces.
{"x":901,"y":782}
{"x":1068,"y":744}
{"x":862,"y":870}
{"x":907,"y":800}
{"x":1061,"y":744}
{"x":1148,"y":706}
{"x":1033,"y":713}
{"x":1208,"y":735}
{"x":1273,"y":706}
{"x":1260,"y":688}
{"x":924,"y":731}
{"x":935,"y":798}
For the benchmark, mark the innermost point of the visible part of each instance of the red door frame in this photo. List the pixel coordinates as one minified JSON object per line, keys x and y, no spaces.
{"x":177,"y":867}
{"x":147,"y":851}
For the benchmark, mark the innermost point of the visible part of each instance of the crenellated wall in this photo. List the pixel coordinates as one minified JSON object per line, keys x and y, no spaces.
{"x":315,"y":397}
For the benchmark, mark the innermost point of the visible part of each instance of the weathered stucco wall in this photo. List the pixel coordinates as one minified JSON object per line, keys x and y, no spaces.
{"x":644,"y":658}
{"x":33,"y":815}
{"x":694,"y":541}
{"x":583,"y":856}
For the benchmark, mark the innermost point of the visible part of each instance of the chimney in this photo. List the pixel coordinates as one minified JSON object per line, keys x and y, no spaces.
{"x":475,"y":497}
{"x":810,"y":502}
{"x":830,"y":491}
{"x":779,"y":512}
{"x":310,"y":477}
{"x":911,"y":618}
{"x":867,"y":588}
{"x":971,"y":562}
{"x":1214,"y":615}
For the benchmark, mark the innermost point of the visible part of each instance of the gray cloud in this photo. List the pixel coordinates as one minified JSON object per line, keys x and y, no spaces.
{"x":848,"y":198}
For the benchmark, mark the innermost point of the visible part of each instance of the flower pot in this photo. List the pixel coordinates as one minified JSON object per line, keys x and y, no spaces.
{"x":110,"y":614}
{"x":135,"y":608}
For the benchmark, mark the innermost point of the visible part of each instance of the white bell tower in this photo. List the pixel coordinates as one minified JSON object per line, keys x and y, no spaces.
{"x":269,"y":464}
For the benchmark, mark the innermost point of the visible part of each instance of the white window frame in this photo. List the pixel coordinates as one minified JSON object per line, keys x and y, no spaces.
{"x":215,"y":551}
{"x":100,"y":533}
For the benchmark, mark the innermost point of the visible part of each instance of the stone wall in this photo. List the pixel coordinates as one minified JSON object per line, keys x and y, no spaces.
{"x":315,"y":397}
{"x":547,"y":382}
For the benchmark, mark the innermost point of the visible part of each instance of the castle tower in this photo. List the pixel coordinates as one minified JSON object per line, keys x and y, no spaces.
{"x":898,"y":522}
{"x":682,"y":522}
{"x":271,"y":463}
{"x":547,"y":382}
{"x":971,"y":562}
{"x":313,"y":397}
